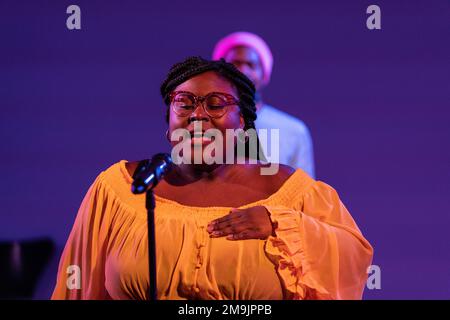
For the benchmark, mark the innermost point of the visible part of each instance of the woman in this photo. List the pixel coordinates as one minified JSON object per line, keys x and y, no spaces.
{"x":223,"y":231}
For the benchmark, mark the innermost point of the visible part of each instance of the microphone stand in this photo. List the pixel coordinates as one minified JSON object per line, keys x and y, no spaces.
{"x":145,"y":177}
{"x":150,"y":205}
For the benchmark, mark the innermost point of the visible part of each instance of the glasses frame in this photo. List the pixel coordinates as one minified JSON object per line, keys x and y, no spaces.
{"x":230,"y":100}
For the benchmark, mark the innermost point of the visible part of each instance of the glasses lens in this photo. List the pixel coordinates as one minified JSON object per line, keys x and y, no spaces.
{"x":183,"y":104}
{"x":216,"y":105}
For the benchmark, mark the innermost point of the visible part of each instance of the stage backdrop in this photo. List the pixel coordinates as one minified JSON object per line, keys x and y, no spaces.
{"x":73,"y":102}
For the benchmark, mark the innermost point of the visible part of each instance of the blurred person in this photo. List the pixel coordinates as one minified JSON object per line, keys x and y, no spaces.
{"x":253,"y":57}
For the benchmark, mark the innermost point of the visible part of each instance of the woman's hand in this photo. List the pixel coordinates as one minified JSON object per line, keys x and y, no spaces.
{"x":242,"y":224}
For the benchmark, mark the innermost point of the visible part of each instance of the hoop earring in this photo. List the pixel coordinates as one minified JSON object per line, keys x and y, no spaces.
{"x":167,"y":135}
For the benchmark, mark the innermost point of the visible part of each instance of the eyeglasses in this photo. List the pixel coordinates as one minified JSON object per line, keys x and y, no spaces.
{"x":215,"y":104}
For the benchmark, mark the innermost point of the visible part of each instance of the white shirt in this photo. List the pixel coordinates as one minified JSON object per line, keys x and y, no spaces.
{"x":295,"y":144}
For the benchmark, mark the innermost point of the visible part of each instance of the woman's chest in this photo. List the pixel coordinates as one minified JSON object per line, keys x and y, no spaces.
{"x":214,"y":194}
{"x":190,"y":264}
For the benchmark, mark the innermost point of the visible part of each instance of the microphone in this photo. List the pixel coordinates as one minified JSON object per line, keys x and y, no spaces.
{"x":146,"y":176}
{"x":149,"y":172}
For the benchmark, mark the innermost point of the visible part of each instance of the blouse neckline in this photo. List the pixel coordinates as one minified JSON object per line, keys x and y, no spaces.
{"x":291,"y":183}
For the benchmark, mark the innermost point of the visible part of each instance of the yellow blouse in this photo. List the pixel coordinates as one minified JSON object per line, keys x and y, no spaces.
{"x":318,"y":251}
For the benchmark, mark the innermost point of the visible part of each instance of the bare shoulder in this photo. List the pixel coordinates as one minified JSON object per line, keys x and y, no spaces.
{"x":251,"y":174}
{"x":285,"y":171}
{"x":283,"y":174}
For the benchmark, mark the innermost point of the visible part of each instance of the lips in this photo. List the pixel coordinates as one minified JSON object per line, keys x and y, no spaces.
{"x":199,"y":137}
{"x":199,"y":133}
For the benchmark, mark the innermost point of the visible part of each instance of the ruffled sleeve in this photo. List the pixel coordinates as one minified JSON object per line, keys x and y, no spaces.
{"x":318,"y":249}
{"x":85,"y":250}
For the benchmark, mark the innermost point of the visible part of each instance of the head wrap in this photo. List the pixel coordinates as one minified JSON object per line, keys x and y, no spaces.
{"x":247,"y":39}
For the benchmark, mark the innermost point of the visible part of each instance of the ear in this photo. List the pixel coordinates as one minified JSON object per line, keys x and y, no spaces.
{"x":241,"y":121}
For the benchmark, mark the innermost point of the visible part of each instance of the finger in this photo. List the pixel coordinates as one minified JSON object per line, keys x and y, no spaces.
{"x":235,"y":227}
{"x":231,"y":224}
{"x":244,"y":235}
{"x":231,"y":229}
{"x":224,"y":221}
{"x":234,"y":213}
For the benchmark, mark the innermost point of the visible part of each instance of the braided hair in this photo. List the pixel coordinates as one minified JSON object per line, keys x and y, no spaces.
{"x":193,"y":66}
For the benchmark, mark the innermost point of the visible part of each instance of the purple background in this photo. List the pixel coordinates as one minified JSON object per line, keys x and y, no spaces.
{"x":376,"y":102}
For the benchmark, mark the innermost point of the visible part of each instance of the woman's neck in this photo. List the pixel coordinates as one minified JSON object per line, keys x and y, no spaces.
{"x":188,"y":173}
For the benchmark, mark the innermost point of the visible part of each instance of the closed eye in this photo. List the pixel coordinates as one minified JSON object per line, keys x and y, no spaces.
{"x":185,"y":107}
{"x":217,"y":107}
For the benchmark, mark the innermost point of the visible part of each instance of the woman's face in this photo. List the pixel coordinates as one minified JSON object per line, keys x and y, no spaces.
{"x":201,"y":85}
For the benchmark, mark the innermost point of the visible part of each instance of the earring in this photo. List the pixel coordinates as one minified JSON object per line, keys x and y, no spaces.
{"x":167,"y":135}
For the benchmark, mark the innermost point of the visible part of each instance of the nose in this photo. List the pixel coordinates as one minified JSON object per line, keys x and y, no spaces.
{"x":199,"y":114}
